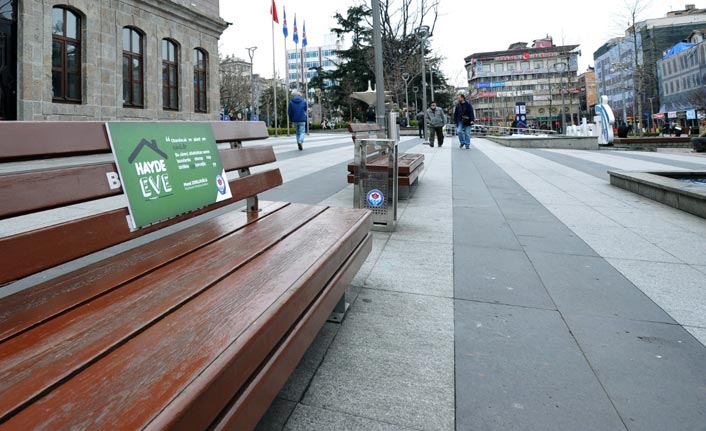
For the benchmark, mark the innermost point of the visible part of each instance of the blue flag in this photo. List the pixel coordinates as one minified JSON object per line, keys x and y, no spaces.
{"x":284,"y":25}
{"x":304,"y":34}
{"x":295,"y":36}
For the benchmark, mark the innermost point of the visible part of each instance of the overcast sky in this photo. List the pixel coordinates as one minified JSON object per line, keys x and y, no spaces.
{"x":464,"y":27}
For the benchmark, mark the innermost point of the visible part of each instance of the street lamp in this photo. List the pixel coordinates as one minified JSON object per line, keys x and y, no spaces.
{"x":422,"y":33}
{"x":251,"y":53}
{"x":560,"y":67}
{"x":405,"y":77}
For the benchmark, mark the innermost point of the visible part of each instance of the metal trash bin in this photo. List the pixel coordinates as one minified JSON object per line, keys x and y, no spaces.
{"x":376,"y":189}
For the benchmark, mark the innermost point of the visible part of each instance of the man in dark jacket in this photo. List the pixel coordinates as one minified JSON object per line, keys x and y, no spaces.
{"x":464,"y":118}
{"x":297,"y":112}
{"x":420,"y":123}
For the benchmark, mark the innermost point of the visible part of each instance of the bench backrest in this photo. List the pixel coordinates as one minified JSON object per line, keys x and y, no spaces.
{"x":37,"y":181}
{"x":366,"y":130}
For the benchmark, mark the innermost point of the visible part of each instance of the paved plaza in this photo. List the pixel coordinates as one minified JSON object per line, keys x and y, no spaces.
{"x":519,"y":291}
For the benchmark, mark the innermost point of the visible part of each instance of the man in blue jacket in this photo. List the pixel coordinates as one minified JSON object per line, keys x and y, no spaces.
{"x":298,"y":115}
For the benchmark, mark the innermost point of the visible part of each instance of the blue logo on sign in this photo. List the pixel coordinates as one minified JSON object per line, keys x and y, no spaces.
{"x":375,"y":198}
{"x":220,"y":184}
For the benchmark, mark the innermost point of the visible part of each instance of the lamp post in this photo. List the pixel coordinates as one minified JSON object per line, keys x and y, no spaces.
{"x":431,"y":82}
{"x":405,"y":77}
{"x":422,"y":33}
{"x":251,"y":53}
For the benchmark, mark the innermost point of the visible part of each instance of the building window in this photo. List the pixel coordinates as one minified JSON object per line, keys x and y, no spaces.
{"x":200,"y":80}
{"x":66,"y":56}
{"x":538,"y":64}
{"x":133,"y":70}
{"x":170,"y":75}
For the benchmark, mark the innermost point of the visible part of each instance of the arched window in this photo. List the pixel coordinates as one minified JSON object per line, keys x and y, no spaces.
{"x":170,"y":75}
{"x":200,"y":80}
{"x":133,"y":69}
{"x":66,"y":56}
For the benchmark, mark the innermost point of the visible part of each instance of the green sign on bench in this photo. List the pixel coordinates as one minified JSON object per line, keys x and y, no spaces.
{"x":167,"y":169}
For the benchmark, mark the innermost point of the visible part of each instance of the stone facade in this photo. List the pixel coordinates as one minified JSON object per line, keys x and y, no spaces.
{"x":191,"y":23}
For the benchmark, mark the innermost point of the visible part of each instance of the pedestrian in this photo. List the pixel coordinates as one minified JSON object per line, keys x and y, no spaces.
{"x":464,"y":118}
{"x":297,"y":115}
{"x":420,"y":124}
{"x":435,"y":119}
{"x":231,"y":115}
{"x":370,"y":115}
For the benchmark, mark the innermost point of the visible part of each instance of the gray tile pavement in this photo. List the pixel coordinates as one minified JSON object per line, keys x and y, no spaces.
{"x":519,"y":291}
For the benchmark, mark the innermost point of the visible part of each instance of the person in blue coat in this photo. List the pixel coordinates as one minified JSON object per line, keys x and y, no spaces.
{"x":464,"y":118}
{"x":297,"y":111}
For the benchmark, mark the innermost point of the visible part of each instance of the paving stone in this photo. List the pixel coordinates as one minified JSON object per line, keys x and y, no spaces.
{"x":308,"y":418}
{"x":520,"y":369}
{"x":653,"y":372}
{"x":498,"y":275}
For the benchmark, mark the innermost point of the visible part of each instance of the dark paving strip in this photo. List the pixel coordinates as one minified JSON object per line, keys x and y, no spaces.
{"x":591,"y":168}
{"x":309,"y":149}
{"x":320,"y":185}
{"x":548,"y":334}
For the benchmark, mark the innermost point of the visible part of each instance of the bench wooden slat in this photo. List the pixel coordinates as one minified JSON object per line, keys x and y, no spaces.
{"x":24,"y":192}
{"x":33,"y":306}
{"x":108,"y":320}
{"x":34,"y":251}
{"x":225,"y":131}
{"x":247,"y":157}
{"x":406,"y":163}
{"x":261,"y":390}
{"x":21,"y":139}
{"x":257,"y":303}
{"x":402,"y":180}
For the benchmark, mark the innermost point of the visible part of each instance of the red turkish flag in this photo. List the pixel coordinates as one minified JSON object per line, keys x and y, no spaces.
{"x":273,"y":12}
{"x":525,"y":56}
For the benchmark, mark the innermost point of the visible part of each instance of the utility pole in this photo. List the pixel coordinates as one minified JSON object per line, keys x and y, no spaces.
{"x":379,"y":79}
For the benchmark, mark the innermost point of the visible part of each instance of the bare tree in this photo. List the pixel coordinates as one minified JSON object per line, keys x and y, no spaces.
{"x":235,"y":85}
{"x":640,"y":72}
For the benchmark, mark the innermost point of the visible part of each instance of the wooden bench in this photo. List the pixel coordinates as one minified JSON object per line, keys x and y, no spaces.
{"x":195,"y":326}
{"x":409,"y":165}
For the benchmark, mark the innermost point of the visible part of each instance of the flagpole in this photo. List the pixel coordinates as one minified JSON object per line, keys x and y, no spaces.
{"x":274,"y":74}
{"x":286,"y":79}
{"x":305,"y":84}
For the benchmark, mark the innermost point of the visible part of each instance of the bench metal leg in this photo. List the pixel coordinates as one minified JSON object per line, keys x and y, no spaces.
{"x":339,"y":312}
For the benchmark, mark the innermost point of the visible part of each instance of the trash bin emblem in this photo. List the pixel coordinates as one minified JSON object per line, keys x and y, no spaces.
{"x":375,"y":198}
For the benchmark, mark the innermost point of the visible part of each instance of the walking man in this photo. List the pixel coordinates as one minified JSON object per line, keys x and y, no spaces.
{"x":420,"y":124}
{"x":464,"y":118}
{"x":297,"y":115}
{"x":435,"y":119}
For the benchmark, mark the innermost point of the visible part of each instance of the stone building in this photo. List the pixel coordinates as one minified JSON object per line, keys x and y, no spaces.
{"x":626,"y":67}
{"x":543,"y":76}
{"x":110,"y":59}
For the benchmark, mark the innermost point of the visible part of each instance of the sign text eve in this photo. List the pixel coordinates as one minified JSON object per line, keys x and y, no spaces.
{"x":153,"y":178}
